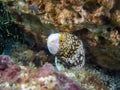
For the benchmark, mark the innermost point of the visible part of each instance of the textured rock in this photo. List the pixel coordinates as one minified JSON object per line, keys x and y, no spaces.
{"x":50,"y":79}
{"x":5,"y":61}
{"x":86,"y":79}
{"x":107,"y":57}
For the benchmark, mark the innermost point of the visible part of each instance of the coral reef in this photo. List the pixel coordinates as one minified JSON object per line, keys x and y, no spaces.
{"x":25,"y":26}
{"x":44,"y":78}
{"x":5,"y":61}
{"x":69,"y":15}
{"x":110,"y":61}
{"x":9,"y":30}
{"x":52,"y":80}
{"x":8,"y":70}
{"x":48,"y":78}
{"x":86,"y":79}
{"x":22,"y":55}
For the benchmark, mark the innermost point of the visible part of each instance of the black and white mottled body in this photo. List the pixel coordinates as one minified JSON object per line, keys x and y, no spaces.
{"x":67,"y":48}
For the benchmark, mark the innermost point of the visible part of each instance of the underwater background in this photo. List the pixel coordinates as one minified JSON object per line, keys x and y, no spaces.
{"x":25,"y":60}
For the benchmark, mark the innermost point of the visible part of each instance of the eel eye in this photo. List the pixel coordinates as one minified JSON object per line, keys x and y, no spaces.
{"x":61,"y":40}
{"x":52,"y":41}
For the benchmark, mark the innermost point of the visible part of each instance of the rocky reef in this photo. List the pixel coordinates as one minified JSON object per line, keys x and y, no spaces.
{"x":25,"y":78}
{"x":25,"y":26}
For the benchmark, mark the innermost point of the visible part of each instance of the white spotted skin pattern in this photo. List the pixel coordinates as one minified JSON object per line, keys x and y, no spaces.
{"x":71,"y":51}
{"x":77,"y":59}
